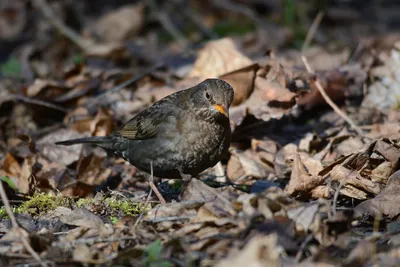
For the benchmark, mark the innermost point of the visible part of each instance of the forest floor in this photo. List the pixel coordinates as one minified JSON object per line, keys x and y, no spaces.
{"x":312,"y":177}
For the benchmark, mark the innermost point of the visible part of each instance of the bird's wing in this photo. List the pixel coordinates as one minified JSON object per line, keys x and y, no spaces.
{"x":144,"y":125}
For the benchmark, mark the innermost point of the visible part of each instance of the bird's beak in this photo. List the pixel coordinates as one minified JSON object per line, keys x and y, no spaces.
{"x":221,"y":109}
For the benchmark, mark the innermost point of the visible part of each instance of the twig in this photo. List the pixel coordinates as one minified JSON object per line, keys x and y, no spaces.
{"x":336,"y":197}
{"x":82,"y":43}
{"x":303,"y":246}
{"x":329,"y":100}
{"x":170,"y":219}
{"x":38,"y":102}
{"x":313,"y":29}
{"x":241,"y":9}
{"x":148,"y":197}
{"x":17,"y":229}
{"x":166,"y":22}
{"x":197,"y":20}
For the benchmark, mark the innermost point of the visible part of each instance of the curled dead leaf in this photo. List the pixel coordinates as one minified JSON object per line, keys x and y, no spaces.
{"x":304,"y":177}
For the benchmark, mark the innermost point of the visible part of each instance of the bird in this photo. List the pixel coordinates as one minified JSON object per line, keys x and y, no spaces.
{"x":177,"y":137}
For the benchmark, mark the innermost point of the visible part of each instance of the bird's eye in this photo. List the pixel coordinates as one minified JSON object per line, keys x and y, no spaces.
{"x":208,"y":96}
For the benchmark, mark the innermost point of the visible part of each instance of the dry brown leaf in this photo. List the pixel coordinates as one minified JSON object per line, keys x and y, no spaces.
{"x":80,"y":120}
{"x":83,"y":253}
{"x":245,"y":165}
{"x":259,"y":251}
{"x":82,"y":217}
{"x":13,"y":18}
{"x":353,"y":178}
{"x":302,"y":180}
{"x":387,"y":150}
{"x":50,"y":175}
{"x":218,"y":58}
{"x":390,"y":130}
{"x":338,"y":84}
{"x":21,"y":175}
{"x":174,"y":209}
{"x":221,"y":59}
{"x":360,"y":254}
{"x":196,"y":190}
{"x":63,"y":155}
{"x":304,"y":215}
{"x":121,"y":23}
{"x":386,"y":202}
{"x":46,"y":89}
{"x":242,"y":81}
{"x":91,"y":171}
{"x":271,"y":97}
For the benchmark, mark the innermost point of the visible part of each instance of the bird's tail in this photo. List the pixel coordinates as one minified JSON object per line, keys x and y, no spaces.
{"x":101,"y":141}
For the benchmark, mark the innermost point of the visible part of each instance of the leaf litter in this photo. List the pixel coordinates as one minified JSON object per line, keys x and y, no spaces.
{"x":299,"y":186}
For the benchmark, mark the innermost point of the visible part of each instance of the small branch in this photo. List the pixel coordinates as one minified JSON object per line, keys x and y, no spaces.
{"x":17,"y":229}
{"x":313,"y":29}
{"x":148,"y":197}
{"x":335,"y":198}
{"x":83,"y":44}
{"x":329,"y":100}
{"x":197,"y":20}
{"x":166,"y":22}
{"x":38,"y":102}
{"x":170,"y":219}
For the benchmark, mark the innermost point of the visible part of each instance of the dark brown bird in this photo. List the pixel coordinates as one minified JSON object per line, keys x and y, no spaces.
{"x":180,"y":136}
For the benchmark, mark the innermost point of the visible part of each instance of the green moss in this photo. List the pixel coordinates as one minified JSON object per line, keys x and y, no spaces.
{"x":2,"y":211}
{"x":115,"y":206}
{"x":83,"y":202}
{"x":126,"y":206}
{"x":43,"y":202}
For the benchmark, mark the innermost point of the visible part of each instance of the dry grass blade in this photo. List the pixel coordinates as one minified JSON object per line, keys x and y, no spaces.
{"x":313,"y":29}
{"x":66,"y":31}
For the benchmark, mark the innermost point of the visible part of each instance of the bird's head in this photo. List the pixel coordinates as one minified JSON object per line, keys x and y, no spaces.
{"x":213,"y":96}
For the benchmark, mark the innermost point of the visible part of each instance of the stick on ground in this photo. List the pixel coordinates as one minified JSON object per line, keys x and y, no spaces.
{"x":329,"y":100}
{"x":17,"y":229}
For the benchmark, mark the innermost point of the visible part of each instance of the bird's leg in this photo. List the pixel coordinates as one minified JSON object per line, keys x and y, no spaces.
{"x":186,"y":180}
{"x":154,"y":187}
{"x":185,"y":177}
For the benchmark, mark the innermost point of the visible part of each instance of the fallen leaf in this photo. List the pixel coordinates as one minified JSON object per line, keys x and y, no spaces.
{"x":259,"y":251}
{"x":218,"y":58}
{"x":128,"y":19}
{"x":82,"y":217}
{"x":63,"y":155}
{"x":302,"y":181}
{"x":242,"y":81}
{"x":304,"y":215}
{"x":386,"y":202}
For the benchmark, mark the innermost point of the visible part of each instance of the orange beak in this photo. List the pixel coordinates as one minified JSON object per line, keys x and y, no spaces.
{"x":221,"y":109}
